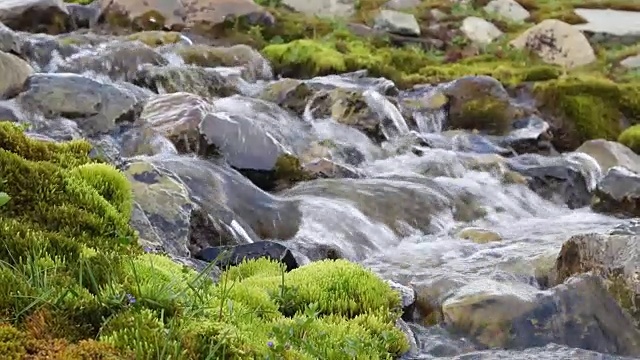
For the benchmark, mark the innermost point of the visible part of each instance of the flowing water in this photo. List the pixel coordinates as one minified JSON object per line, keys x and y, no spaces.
{"x":402,"y":218}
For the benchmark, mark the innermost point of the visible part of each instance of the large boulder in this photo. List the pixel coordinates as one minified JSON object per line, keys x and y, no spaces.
{"x":37,"y":16}
{"x":618,"y":193}
{"x":14,"y":71}
{"x":610,"y":153}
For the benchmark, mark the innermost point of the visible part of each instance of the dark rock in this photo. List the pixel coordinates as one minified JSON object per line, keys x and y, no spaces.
{"x":83,"y":15}
{"x":557,"y":179}
{"x":618,"y":193}
{"x":226,"y":256}
{"x":196,"y":80}
{"x":36,"y":16}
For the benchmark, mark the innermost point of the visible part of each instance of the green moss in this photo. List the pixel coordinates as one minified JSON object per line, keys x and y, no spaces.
{"x":630,"y":137}
{"x":68,"y":279}
{"x":305,"y":58}
{"x":588,"y":107}
{"x":489,"y":114}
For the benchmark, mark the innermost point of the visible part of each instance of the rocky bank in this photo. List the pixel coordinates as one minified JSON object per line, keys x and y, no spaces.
{"x":479,"y":156}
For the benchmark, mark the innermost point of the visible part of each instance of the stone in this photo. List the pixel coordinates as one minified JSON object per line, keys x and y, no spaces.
{"x":193,"y":79}
{"x":557,"y":42}
{"x":36,"y":16}
{"x":402,"y":4}
{"x":631,"y":62}
{"x":254,"y":65}
{"x":618,"y":23}
{"x":325,"y":168}
{"x":579,"y":313}
{"x":144,"y":14}
{"x":618,"y":193}
{"x":227,"y":256}
{"x":324,"y":8}
{"x":615,"y":258}
{"x":479,"y":235}
{"x":396,"y":22}
{"x":610,"y":153}
{"x":204,"y":15}
{"x":408,"y":296}
{"x":83,"y":15}
{"x":509,"y":9}
{"x":479,"y":30}
{"x":15,"y":72}
{"x":96,"y":107}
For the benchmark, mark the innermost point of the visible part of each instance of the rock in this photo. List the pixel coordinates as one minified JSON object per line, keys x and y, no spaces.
{"x":615,"y":258}
{"x":7,"y":113}
{"x":192,"y":79}
{"x":548,"y":352}
{"x":204,"y":15}
{"x":36,"y":16}
{"x":480,"y":103}
{"x":227,"y":256}
{"x":402,"y":4}
{"x":631,"y":62}
{"x":479,"y":30}
{"x":366,"y":111}
{"x":143,"y":14}
{"x":325,"y":168}
{"x":610,"y":153}
{"x":95,"y":107}
{"x":560,"y":179}
{"x":509,"y":9}
{"x":396,"y":22}
{"x":291,"y":94}
{"x":323,"y":8}
{"x":608,"y":22}
{"x":408,"y":296}
{"x":15,"y":71}
{"x":557,"y":42}
{"x":579,"y":313}
{"x":118,"y":61}
{"x":618,"y":193}
{"x":255,"y":66}
{"x":529,"y":135}
{"x":479,"y":235}
{"x":83,"y":15}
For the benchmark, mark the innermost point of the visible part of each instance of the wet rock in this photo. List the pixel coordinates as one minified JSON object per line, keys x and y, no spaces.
{"x":610,"y":153}
{"x":509,"y":9}
{"x":83,"y":15}
{"x":579,"y":313}
{"x":366,"y":111}
{"x":36,"y":16}
{"x":615,"y":258}
{"x":529,"y":135}
{"x":480,"y":103}
{"x":192,"y":79}
{"x":95,"y":107}
{"x":227,"y":256}
{"x":408,"y":296}
{"x":479,"y":235}
{"x":204,"y":15}
{"x":562,"y":179}
{"x":291,"y":94}
{"x":143,"y":14}
{"x":618,"y":193}
{"x":8,"y":114}
{"x":479,"y":30}
{"x":325,"y":168}
{"x":556,"y":42}
{"x":118,"y":61}
{"x":336,"y":151}
{"x":156,"y":38}
{"x":255,"y":66}
{"x":397,"y":23}
{"x":226,"y":195}
{"x":548,"y":352}
{"x":14,"y":71}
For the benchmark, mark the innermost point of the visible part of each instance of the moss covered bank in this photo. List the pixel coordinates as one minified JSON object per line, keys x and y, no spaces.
{"x":77,"y":286}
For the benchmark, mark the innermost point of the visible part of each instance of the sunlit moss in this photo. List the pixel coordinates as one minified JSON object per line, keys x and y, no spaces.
{"x":630,"y":137}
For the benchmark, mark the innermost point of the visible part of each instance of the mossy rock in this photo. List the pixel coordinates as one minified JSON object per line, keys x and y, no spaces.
{"x":291,"y":94}
{"x":630,"y":138}
{"x":155,"y":38}
{"x":585,"y":108}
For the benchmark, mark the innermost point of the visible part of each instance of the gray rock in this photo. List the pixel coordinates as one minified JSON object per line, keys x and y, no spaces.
{"x":615,"y":258}
{"x":632,"y":62}
{"x":48,"y":16}
{"x":96,"y":107}
{"x":402,"y":4}
{"x":579,"y":313}
{"x":396,"y":22}
{"x":609,"y":22}
{"x":610,"y":153}
{"x":14,"y":71}
{"x":479,"y":30}
{"x":509,"y":9}
{"x":192,"y":79}
{"x":548,"y":352}
{"x":618,"y":193}
{"x":324,"y":8}
{"x":83,"y":15}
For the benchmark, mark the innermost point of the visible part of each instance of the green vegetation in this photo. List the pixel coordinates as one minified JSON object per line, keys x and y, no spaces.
{"x":630,"y":137}
{"x":77,"y":286}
